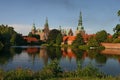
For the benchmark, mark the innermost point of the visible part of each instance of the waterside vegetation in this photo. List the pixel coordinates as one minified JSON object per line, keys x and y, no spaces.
{"x":53,"y":71}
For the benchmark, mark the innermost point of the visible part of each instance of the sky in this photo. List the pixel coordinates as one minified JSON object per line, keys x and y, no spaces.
{"x":97,"y":14}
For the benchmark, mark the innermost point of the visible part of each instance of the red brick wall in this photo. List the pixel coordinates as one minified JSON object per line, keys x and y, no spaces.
{"x":111,"y":45}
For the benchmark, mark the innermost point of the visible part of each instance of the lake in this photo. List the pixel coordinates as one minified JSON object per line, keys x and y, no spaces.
{"x":36,"y":57}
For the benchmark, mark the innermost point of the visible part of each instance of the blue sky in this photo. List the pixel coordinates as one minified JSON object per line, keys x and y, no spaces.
{"x":97,"y":14}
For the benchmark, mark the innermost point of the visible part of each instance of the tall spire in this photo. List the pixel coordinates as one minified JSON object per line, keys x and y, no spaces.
{"x":80,"y":26}
{"x":46,"y":22}
{"x":80,"y":20}
{"x":46,"y":29}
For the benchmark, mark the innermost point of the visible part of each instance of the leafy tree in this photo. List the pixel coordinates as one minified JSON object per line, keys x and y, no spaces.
{"x":17,"y":39}
{"x":13,"y":39}
{"x":118,"y":13}
{"x":59,"y":39}
{"x":101,"y":36}
{"x":1,"y":45}
{"x":92,"y":42}
{"x":117,"y":31}
{"x":117,"y":40}
{"x":52,"y":36}
{"x":78,"y":41}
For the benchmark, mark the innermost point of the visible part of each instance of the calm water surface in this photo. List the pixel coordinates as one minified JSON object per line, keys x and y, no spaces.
{"x":35,"y":58}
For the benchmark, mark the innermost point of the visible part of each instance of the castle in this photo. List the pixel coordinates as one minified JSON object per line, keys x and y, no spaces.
{"x":43,"y":33}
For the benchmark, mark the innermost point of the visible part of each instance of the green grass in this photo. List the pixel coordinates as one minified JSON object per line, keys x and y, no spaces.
{"x":53,"y":71}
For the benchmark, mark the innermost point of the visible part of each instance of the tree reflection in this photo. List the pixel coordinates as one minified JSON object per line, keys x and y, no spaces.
{"x":5,"y":56}
{"x":95,"y":54}
{"x":16,"y":50}
{"x":101,"y":59}
{"x":54,"y":52}
{"x":79,"y":53}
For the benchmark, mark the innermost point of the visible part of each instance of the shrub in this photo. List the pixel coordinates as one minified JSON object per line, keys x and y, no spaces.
{"x":117,"y":40}
{"x":19,"y":74}
{"x":83,"y":47}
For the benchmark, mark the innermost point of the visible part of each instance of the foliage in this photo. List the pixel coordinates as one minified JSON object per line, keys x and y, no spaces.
{"x":54,"y":52}
{"x":52,"y":36}
{"x":117,"y":40}
{"x":84,"y":47}
{"x":79,"y":53}
{"x":109,"y":40}
{"x":101,"y":36}
{"x":10,"y":37}
{"x":92,"y":42}
{"x":117,"y":31}
{"x":118,"y":13}
{"x":1,"y":45}
{"x":89,"y":70}
{"x":17,"y":39}
{"x":52,"y":71}
{"x":78,"y":41}
{"x":59,"y":39}
{"x":19,"y":74}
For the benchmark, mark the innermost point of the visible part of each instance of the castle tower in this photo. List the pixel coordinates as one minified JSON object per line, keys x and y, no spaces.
{"x":46,"y":29}
{"x":80,"y":28}
{"x":33,"y":29}
{"x":70,"y":33}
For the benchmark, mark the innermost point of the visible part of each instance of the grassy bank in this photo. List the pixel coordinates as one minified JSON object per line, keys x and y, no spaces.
{"x":53,"y":71}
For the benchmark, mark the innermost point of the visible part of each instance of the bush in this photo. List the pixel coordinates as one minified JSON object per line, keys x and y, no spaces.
{"x":1,"y":46}
{"x":2,"y":74}
{"x":83,"y":47}
{"x":19,"y":74}
{"x":117,"y":40}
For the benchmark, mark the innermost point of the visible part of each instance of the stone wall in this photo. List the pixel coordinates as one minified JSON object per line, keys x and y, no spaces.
{"x":111,"y":45}
{"x":111,"y":51}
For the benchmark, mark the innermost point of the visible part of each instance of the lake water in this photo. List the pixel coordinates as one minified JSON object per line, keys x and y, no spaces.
{"x":35,"y":58}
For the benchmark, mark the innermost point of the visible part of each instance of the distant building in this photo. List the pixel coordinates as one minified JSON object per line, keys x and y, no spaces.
{"x":69,"y":38}
{"x":43,"y":33}
{"x":68,"y":34}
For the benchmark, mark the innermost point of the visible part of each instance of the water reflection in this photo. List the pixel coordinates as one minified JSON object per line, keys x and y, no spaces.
{"x":36,"y":58}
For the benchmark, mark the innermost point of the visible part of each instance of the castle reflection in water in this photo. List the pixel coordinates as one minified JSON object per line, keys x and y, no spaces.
{"x":35,"y":58}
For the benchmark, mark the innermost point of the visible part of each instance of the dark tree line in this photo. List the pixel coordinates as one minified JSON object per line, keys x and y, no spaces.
{"x":8,"y":36}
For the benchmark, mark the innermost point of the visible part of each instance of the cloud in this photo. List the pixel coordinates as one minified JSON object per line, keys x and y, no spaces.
{"x":21,"y":28}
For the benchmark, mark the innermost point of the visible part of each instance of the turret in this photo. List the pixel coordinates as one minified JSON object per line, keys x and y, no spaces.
{"x":46,"y":28}
{"x":33,"y":29}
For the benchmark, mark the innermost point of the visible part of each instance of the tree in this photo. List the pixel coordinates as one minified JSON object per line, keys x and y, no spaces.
{"x":101,"y":36}
{"x":52,"y":36}
{"x":13,"y":39}
{"x":17,"y":39}
{"x":78,"y":41}
{"x":59,"y":39}
{"x":118,"y":13}
{"x":92,"y":42}
{"x":1,"y":45}
{"x":116,"y":31}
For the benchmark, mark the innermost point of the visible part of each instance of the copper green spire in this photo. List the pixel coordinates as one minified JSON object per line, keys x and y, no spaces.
{"x":80,"y":26}
{"x":80,"y":20}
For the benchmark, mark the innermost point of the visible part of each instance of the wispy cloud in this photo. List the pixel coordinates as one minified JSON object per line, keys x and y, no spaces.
{"x":21,"y":28}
